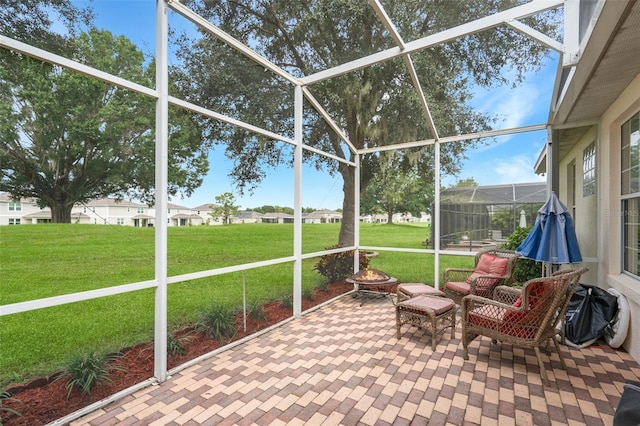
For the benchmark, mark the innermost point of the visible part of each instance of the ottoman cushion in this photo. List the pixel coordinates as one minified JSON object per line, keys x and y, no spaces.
{"x":437,"y":304}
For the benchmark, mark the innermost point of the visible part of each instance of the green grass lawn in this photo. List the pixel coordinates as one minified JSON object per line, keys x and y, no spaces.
{"x":41,"y":261}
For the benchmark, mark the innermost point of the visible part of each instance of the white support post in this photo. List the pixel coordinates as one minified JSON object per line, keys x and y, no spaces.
{"x":161,"y":198}
{"x":571,"y":52}
{"x":435,"y":223}
{"x":356,"y":214}
{"x":297,"y":204}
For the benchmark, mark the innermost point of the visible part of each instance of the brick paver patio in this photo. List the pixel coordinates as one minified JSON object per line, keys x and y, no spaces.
{"x":343,"y":365}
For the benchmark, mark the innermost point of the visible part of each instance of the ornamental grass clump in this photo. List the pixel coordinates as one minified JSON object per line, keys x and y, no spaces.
{"x":307,"y":293}
{"x":287,"y":301}
{"x":4,"y":397}
{"x":217,"y":322}
{"x":175,"y":344}
{"x":256,"y":312}
{"x":84,"y":371}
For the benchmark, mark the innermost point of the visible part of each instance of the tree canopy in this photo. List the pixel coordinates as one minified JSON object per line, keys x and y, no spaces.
{"x":375,"y":106}
{"x":31,"y":21}
{"x":393,"y":191}
{"x":225,"y":207}
{"x":67,"y":138}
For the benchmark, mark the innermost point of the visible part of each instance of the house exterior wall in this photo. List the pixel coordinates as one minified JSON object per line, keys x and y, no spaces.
{"x":610,"y":220}
{"x":26,"y":207}
{"x":111,"y":214}
{"x":583,"y":209}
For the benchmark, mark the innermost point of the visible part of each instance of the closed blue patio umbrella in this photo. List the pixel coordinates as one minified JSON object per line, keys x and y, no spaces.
{"x":553,"y":238}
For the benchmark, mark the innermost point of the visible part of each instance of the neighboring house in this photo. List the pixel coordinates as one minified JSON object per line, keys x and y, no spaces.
{"x":593,"y":160}
{"x":203,"y":211}
{"x":181,"y":216}
{"x":105,"y":211}
{"x":397,"y":218}
{"x":375,"y":218}
{"x":489,"y":211}
{"x":409,"y":218}
{"x":247,"y":217}
{"x":277,"y":218}
{"x":322,"y":216}
{"x":109,"y":211}
{"x":19,"y":212}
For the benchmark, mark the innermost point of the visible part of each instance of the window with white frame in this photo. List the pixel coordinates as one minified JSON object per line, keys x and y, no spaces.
{"x":120,"y":221}
{"x":140,"y":210}
{"x":630,"y":193}
{"x":15,"y":206}
{"x":589,"y":170}
{"x":14,"y":221}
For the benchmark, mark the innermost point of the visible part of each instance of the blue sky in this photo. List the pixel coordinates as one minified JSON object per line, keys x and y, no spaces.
{"x":508,"y":160}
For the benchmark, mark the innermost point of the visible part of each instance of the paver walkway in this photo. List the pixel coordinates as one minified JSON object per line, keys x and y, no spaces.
{"x":343,"y":365}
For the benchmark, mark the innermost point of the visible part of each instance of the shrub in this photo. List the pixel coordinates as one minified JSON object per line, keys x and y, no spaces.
{"x":217,"y":322}
{"x":338,"y":266}
{"x":86,"y":370}
{"x":525,"y":269}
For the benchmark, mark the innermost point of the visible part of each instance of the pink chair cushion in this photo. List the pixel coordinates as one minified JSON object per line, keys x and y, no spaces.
{"x":487,"y":316}
{"x":525,"y":324}
{"x":499,"y":266}
{"x":459,"y":287}
{"x":413,"y":289}
{"x":489,"y":265}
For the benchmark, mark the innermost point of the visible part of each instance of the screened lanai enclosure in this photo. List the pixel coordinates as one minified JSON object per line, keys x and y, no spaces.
{"x":483,"y":216}
{"x":357,"y":89}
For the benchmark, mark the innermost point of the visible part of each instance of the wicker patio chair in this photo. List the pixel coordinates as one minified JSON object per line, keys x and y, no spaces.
{"x":492,"y":268}
{"x":509,"y":295}
{"x":530,"y":321}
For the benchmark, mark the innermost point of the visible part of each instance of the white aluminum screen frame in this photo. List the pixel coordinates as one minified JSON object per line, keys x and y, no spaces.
{"x":301,"y":91}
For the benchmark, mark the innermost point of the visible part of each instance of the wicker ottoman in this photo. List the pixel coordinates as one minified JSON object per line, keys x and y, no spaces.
{"x":434,"y":314}
{"x":408,"y":290}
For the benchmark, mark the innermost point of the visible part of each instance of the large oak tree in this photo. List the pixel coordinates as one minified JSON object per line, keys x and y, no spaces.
{"x":375,"y":106}
{"x":67,"y":138}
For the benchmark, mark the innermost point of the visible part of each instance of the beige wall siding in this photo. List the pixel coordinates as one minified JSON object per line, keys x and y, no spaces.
{"x":584,"y":210}
{"x":610,"y":223}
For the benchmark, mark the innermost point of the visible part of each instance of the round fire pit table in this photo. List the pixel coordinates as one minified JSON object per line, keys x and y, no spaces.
{"x":373,"y":282}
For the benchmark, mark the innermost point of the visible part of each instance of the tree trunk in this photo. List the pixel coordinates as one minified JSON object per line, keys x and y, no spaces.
{"x":389,"y":217}
{"x":347,"y":228}
{"x":61,"y":212}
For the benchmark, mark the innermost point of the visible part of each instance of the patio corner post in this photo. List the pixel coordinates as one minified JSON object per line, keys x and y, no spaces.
{"x":435,"y":223}
{"x":297,"y":204}
{"x":161,"y":198}
{"x":356,"y":215}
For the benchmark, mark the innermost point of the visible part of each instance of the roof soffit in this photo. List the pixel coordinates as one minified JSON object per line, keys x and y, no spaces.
{"x":608,"y":64}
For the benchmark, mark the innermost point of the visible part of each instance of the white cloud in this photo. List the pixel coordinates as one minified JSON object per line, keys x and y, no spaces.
{"x":512,"y":107}
{"x":516,"y":169}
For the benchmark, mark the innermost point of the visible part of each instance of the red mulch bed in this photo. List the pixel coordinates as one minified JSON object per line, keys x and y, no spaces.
{"x":44,"y":400}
